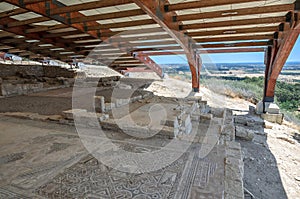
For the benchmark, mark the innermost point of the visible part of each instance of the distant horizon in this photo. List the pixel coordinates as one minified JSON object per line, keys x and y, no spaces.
{"x":290,"y":62}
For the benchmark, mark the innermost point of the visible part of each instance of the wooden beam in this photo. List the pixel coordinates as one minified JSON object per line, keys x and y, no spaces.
{"x":21,"y":30}
{"x":280,"y":60}
{"x":150,"y":63}
{"x":43,"y":8}
{"x":28,"y":21}
{"x":156,"y":10}
{"x":113,"y":15}
{"x":12,"y":12}
{"x":204,"y":4}
{"x":36,"y":49}
{"x":45,"y":28}
{"x":198,"y":46}
{"x":237,"y":12}
{"x":160,"y":42}
{"x":32,"y":1}
{"x":61,"y":34}
{"x":6,"y":34}
{"x":232,"y":31}
{"x":211,"y":51}
{"x":122,"y":24}
{"x":88,"y":6}
{"x":235,"y":23}
{"x":278,"y":55}
{"x":235,"y":38}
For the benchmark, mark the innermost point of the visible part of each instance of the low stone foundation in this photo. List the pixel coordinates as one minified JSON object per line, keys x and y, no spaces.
{"x":18,"y":87}
{"x":272,"y":112}
{"x":25,"y":79}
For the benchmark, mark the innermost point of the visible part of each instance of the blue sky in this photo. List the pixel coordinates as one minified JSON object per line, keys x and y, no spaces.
{"x":229,"y":57}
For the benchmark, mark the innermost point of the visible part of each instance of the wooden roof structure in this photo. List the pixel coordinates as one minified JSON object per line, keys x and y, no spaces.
{"x":138,"y":29}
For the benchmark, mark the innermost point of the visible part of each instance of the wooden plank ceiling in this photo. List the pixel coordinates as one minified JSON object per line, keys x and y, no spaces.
{"x":64,"y":30}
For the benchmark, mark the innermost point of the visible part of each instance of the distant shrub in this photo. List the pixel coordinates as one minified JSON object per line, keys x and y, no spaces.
{"x":244,"y":89}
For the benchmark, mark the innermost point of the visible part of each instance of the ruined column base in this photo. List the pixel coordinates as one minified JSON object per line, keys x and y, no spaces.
{"x":274,"y":118}
{"x":271,"y":113}
{"x":270,"y":107}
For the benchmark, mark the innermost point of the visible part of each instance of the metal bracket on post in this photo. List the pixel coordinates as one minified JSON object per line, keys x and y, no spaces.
{"x":21,"y":2}
{"x":297,"y":5}
{"x":85,"y":27}
{"x":99,"y":34}
{"x":47,"y":6}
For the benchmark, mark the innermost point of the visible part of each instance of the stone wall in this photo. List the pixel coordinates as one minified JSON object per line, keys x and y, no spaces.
{"x":7,"y":70}
{"x":54,"y":71}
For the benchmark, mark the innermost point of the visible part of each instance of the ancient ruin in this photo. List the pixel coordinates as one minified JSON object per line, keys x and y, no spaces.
{"x":86,"y":112}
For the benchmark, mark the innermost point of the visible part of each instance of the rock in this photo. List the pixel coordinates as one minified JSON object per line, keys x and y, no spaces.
{"x":103,"y":117}
{"x":268,"y":125}
{"x":244,"y":133}
{"x":99,"y":103}
{"x":69,"y":114}
{"x":274,"y":118}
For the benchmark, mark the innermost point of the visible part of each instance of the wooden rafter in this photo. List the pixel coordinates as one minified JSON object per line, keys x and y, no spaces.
{"x":277,"y":56}
{"x":156,"y":10}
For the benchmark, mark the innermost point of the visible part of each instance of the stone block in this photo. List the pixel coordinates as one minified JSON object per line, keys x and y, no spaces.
{"x":99,"y":103}
{"x":274,"y":118}
{"x":102,"y":117}
{"x":121,"y":102}
{"x":217,"y":112}
{"x":270,"y":107}
{"x":9,"y":89}
{"x":186,"y":123}
{"x":109,"y":106}
{"x":176,"y":128}
{"x":260,"y":107}
{"x":206,"y":117}
{"x":244,"y":133}
{"x":69,"y":115}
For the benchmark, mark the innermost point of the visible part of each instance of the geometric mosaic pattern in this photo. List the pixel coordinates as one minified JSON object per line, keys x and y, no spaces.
{"x":5,"y":194}
{"x":92,"y":179}
{"x":89,"y":178}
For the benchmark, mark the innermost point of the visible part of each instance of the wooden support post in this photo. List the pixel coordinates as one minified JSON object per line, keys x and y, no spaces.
{"x":156,"y":9}
{"x":277,"y":57}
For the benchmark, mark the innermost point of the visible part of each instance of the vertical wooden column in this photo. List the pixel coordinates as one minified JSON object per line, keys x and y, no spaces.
{"x":277,"y":56}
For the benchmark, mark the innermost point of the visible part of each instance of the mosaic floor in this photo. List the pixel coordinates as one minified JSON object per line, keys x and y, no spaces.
{"x":91,"y":179}
{"x":54,"y":164}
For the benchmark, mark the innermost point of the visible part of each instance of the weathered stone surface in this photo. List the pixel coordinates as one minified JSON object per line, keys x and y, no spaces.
{"x":102,"y":117}
{"x":99,"y":103}
{"x":70,"y":113}
{"x":217,"y":112}
{"x":206,"y":117}
{"x":109,"y":106}
{"x":234,"y":172}
{"x":244,"y":133}
{"x":7,"y":70}
{"x":248,"y":120}
{"x":270,"y":107}
{"x":275,"y":118}
{"x":9,"y":89}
